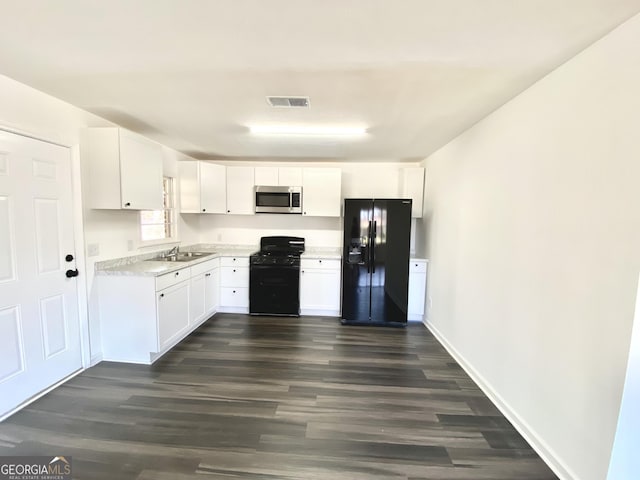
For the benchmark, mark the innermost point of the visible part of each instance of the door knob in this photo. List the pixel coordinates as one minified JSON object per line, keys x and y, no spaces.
{"x":72,"y":273}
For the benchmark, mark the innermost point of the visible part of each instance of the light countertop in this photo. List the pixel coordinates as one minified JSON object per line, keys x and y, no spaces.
{"x":140,"y":265}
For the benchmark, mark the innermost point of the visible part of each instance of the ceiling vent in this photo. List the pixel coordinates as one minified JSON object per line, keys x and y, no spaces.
{"x":288,"y":102}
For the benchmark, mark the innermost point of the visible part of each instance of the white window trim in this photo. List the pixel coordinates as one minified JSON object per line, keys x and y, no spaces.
{"x":175,"y":238}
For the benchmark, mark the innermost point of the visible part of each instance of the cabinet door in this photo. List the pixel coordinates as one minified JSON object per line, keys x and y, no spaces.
{"x":319,"y":289}
{"x":290,"y":176}
{"x":321,"y":192}
{"x":266,"y":176}
{"x":197,"y":298}
{"x":140,"y":173}
{"x":211,"y":291}
{"x":189,"y":186}
{"x":173,"y":313}
{"x":240,"y":185}
{"x":235,"y":297}
{"x":234,"y":277}
{"x":213,"y":188}
{"x":417,"y":289}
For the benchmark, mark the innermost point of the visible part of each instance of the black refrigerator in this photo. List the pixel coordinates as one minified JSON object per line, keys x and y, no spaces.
{"x":375,"y":264}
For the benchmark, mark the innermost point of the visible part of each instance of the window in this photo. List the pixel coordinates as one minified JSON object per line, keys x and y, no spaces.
{"x":156,"y":225}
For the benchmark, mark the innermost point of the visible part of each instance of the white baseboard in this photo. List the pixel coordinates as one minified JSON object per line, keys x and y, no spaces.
{"x":319,"y":313}
{"x":95,"y":359}
{"x":233,"y":310}
{"x":40,"y":394}
{"x":537,"y":443}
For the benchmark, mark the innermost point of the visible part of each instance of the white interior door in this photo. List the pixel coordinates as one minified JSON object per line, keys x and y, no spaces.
{"x":39,"y":327}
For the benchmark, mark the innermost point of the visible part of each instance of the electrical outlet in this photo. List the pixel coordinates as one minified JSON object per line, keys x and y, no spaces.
{"x":93,"y":249}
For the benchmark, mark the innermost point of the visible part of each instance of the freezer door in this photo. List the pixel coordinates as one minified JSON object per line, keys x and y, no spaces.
{"x":356,"y":262}
{"x":391,"y":242}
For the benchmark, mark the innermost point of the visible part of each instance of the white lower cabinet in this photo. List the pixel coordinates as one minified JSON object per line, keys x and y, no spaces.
{"x":417,"y":288}
{"x":234,"y":284}
{"x":173,"y":314}
{"x":320,"y":287}
{"x":142,"y":317}
{"x":211,"y":291}
{"x":204,"y":291}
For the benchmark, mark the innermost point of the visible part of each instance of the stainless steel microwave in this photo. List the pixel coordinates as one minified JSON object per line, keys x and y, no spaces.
{"x":278,"y":199}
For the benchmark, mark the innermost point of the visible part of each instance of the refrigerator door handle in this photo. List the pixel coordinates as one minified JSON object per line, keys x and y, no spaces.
{"x":368,"y":257}
{"x":373,"y":246}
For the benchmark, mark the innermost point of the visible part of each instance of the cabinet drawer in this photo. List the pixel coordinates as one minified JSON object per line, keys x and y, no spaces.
{"x":234,"y":262}
{"x":205,"y":266}
{"x":234,"y":296}
{"x":234,"y":276}
{"x":168,"y":279}
{"x":321,"y":263}
{"x":417,"y":266}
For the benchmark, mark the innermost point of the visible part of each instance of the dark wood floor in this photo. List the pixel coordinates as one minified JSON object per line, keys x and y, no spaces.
{"x":262,"y":398}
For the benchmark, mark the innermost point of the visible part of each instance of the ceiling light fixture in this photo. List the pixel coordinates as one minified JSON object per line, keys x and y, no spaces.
{"x":307,"y":131}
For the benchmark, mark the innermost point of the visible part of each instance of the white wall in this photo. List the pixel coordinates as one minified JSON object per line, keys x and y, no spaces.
{"x":532,"y":227}
{"x":28,"y":111}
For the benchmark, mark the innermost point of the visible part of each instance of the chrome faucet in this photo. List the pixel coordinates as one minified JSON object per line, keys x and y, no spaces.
{"x":173,"y":251}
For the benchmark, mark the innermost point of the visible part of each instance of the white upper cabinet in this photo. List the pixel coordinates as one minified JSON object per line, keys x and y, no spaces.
{"x":321,"y":192}
{"x":240,"y":183}
{"x":125,"y":169}
{"x":203,"y":187}
{"x":412,"y":186}
{"x":279,"y":176}
{"x":290,"y":176}
{"x":266,"y":176}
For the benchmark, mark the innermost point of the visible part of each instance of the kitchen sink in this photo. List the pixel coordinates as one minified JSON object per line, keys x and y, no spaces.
{"x":180,"y":257}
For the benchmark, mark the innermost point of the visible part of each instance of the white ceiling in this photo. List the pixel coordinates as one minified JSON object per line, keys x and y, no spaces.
{"x":193,"y":74}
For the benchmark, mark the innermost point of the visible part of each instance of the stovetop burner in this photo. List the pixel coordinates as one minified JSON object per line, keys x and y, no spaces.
{"x":278,"y":251}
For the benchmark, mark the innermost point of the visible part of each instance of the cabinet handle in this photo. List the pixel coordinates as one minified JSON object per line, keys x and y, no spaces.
{"x":207,"y":274}
{"x":161,"y":295}
{"x":320,"y":261}
{"x":234,"y":259}
{"x":234,"y":270}
{"x":228,"y":211}
{"x":69,"y":258}
{"x":416,"y":264}
{"x":204,"y":209}
{"x":234,"y":291}
{"x":177,"y":273}
{"x":128,"y":204}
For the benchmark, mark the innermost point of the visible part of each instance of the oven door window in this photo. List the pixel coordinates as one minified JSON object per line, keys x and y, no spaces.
{"x":272,"y":199}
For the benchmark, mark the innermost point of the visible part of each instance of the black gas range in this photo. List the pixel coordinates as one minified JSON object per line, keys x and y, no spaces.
{"x":274,"y":276}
